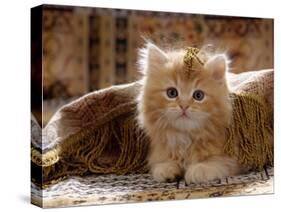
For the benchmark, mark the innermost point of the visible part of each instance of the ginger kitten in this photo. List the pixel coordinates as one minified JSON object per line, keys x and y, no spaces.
{"x":185,"y":114}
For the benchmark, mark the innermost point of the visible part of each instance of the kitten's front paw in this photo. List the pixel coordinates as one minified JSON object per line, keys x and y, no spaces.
{"x":166,"y":171}
{"x":200,"y":173}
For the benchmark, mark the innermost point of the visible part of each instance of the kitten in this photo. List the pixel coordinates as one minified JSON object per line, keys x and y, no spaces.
{"x":185,"y":116}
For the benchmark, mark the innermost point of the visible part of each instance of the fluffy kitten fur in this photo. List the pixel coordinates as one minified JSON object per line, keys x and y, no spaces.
{"x":190,"y":145}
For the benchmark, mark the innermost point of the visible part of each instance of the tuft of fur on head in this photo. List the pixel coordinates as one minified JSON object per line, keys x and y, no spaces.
{"x":165,"y":69}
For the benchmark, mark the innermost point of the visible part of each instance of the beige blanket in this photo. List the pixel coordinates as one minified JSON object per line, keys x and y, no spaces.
{"x":92,"y":111}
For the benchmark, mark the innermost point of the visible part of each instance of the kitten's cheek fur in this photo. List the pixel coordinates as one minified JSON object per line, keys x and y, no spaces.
{"x":166,"y":171}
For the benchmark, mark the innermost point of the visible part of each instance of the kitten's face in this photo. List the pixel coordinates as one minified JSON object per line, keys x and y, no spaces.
{"x":170,"y":97}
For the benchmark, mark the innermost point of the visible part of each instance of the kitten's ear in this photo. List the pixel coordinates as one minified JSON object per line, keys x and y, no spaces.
{"x":151,"y":57}
{"x":217,"y":66}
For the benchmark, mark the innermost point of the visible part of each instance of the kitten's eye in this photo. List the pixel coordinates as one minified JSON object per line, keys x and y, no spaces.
{"x":172,"y":92}
{"x":198,"y":95}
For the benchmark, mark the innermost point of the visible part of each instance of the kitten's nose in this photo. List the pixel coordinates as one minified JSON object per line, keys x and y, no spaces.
{"x":184,"y":108}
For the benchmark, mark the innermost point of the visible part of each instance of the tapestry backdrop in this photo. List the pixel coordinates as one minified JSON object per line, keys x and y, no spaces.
{"x":86,"y":49}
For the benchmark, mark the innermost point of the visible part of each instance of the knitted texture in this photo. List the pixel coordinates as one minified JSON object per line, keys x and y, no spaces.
{"x":250,"y":131}
{"x":98,"y":133}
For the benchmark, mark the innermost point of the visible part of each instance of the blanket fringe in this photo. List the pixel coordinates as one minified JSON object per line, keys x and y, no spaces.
{"x":250,"y":134}
{"x":118,"y":147}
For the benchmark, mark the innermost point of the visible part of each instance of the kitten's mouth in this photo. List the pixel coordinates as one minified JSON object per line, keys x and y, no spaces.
{"x":184,"y":116}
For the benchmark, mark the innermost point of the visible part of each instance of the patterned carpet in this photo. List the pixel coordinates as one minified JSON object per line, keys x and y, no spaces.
{"x":109,"y":189}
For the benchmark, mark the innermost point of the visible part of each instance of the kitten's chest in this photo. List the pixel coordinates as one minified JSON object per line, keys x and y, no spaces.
{"x":183,"y":147}
{"x":178,"y":144}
